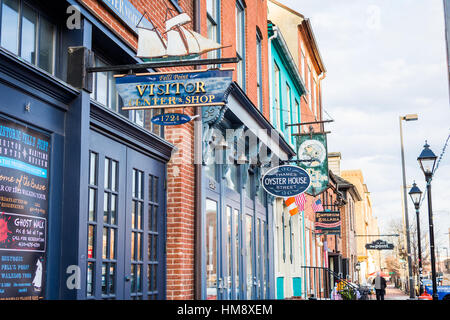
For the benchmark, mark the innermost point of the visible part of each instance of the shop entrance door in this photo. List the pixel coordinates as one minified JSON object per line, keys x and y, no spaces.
{"x":126,"y":223}
{"x":223,"y":253}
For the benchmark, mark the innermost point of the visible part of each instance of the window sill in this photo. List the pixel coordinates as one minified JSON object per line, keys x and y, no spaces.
{"x":35,"y":77}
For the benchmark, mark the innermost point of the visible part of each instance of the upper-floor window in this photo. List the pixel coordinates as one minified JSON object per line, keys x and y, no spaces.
{"x":259,"y":90}
{"x":104,"y":88}
{"x":240,"y":43}
{"x":303,"y":59}
{"x":212,"y":22}
{"x":318,"y":103}
{"x":105,"y":93}
{"x":288,"y":107}
{"x":308,"y":77}
{"x":314,"y":97}
{"x":276,"y":112}
{"x":295,"y":116}
{"x":28,"y":34}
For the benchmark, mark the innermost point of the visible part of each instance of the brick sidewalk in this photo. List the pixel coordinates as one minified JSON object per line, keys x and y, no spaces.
{"x":393,"y":293}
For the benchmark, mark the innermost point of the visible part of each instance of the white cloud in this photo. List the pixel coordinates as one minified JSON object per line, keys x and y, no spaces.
{"x":384,"y":59}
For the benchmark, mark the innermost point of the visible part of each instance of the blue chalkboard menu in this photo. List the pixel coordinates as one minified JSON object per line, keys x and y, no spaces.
{"x":24,"y":181}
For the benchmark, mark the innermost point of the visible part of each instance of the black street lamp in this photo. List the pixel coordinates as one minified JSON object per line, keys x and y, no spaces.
{"x":427,"y":161}
{"x":416,"y":196}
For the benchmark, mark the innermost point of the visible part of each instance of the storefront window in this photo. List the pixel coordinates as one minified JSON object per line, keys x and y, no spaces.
{"x":137,"y":234}
{"x":229,"y":246}
{"x":237,"y":252}
{"x":92,"y":224}
{"x":25,"y":32}
{"x":211,"y":249}
{"x":249,"y":185}
{"x":249,"y":254}
{"x":232,"y":177}
{"x":210,"y":167}
{"x":264,"y":259}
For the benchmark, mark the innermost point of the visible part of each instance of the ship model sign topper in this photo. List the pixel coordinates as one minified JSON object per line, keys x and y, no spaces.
{"x":177,"y":46}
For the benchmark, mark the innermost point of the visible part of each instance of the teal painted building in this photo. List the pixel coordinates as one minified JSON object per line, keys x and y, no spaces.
{"x":287,"y":87}
{"x":286,"y":90}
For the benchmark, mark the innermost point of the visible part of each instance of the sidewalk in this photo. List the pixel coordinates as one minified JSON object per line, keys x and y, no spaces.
{"x":392,"y":293}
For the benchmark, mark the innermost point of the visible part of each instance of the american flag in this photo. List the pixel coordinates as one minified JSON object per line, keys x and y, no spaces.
{"x":296,"y":204}
{"x":317,"y":206}
{"x":300,"y":201}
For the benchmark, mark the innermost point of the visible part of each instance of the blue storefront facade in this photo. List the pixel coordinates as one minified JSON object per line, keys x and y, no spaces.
{"x":100,"y":162}
{"x":237,"y":214}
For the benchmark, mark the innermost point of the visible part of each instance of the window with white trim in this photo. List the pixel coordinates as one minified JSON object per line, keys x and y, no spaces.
{"x":212,"y":23}
{"x":277,"y":111}
{"x":309,"y":88}
{"x":259,"y":79}
{"x":288,"y":119}
{"x":240,"y":43}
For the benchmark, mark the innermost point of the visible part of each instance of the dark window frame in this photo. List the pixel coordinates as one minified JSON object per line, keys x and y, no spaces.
{"x":40,"y":14}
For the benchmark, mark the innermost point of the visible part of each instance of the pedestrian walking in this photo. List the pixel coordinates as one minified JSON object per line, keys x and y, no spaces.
{"x":380,"y":286}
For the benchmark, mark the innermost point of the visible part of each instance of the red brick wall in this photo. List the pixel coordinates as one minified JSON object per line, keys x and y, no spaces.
{"x":105,"y":15}
{"x":255,"y":17}
{"x":307,"y":115}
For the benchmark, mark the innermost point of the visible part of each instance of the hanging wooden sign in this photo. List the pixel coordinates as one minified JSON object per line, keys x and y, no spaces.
{"x":379,"y":245}
{"x":175,"y":89}
{"x":286,"y":181}
{"x":312,"y":151}
{"x":328,"y":222}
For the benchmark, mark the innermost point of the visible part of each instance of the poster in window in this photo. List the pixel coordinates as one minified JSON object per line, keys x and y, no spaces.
{"x":24,"y":181}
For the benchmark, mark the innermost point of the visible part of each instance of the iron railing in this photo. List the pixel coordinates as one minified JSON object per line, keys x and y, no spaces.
{"x":324,"y":281}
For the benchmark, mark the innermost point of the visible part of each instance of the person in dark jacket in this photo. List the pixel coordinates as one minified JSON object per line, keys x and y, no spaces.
{"x":380,"y":286}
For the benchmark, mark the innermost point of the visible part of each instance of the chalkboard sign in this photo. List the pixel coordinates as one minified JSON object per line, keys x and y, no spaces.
{"x":24,"y":180}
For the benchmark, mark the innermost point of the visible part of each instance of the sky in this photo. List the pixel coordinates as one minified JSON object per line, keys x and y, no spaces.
{"x":386,"y":59}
